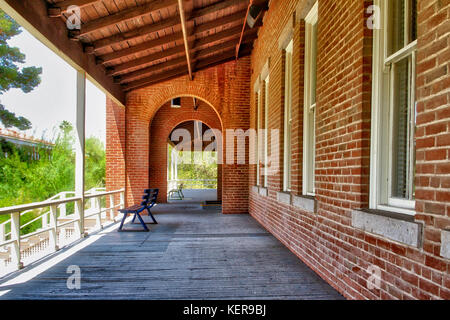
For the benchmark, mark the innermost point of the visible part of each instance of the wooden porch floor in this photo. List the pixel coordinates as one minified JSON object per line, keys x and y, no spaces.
{"x":191,"y":254}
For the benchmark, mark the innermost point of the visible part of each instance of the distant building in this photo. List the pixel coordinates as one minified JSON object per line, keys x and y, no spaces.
{"x":21,"y":140}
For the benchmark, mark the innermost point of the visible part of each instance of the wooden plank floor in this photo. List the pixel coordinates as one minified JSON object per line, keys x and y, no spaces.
{"x":191,"y":254}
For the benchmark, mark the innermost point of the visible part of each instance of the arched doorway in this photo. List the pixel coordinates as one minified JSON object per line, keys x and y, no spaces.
{"x":192,"y":166}
{"x":181,"y":117}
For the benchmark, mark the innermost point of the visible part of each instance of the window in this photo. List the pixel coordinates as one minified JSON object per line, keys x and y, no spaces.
{"x":266,"y":132}
{"x":309,"y":114}
{"x":287,"y":183}
{"x":258,"y":139}
{"x":394,"y":114}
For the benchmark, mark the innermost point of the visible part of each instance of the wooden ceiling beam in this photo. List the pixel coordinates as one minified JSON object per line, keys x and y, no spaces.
{"x":185,"y":37}
{"x":215,"y":7}
{"x":57,"y":9}
{"x":164,"y":24}
{"x":32,"y":16}
{"x":141,"y":62}
{"x":116,"y":55}
{"x":136,"y":33}
{"x":107,"y":58}
{"x":178,"y":61}
{"x":124,"y":15}
{"x":177,"y":72}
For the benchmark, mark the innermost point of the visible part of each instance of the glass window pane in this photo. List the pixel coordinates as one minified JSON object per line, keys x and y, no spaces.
{"x":413,"y":19}
{"x":401,"y":141}
{"x":396,"y":26}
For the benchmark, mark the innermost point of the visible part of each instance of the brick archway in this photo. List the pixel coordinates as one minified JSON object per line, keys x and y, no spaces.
{"x":163,"y":122}
{"x":225,"y":88}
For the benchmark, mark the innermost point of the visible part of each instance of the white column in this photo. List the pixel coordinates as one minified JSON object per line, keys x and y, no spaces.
{"x":80,"y":148}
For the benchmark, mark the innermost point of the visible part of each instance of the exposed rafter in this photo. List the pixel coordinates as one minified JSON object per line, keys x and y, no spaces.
{"x":250,"y":36}
{"x":59,"y":8}
{"x":185,"y":36}
{"x":144,"y":61}
{"x":180,"y":71}
{"x":167,"y":40}
{"x":123,"y":16}
{"x":162,"y":25}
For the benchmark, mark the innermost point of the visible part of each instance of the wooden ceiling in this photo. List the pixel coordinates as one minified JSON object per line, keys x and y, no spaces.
{"x":142,"y":42}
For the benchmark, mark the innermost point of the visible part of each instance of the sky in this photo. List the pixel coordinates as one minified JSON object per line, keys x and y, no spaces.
{"x":54,"y":100}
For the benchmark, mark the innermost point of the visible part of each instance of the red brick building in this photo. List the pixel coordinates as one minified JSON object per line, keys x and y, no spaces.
{"x":346,"y":103}
{"x":341,"y":224}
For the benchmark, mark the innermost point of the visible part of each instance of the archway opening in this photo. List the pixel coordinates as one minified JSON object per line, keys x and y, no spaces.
{"x":192,"y":163}
{"x":196,"y":125}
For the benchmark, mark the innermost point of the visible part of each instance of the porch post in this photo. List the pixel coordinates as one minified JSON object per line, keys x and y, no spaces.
{"x":80,"y":149}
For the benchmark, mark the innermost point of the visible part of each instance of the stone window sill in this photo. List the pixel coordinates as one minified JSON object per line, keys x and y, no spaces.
{"x":445,"y":244}
{"x":261,"y":191}
{"x":305,"y":203}
{"x":398,"y":227}
{"x":284,"y":197}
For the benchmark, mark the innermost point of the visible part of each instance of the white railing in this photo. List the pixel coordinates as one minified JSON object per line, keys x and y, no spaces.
{"x":58,"y":228}
{"x":192,"y":184}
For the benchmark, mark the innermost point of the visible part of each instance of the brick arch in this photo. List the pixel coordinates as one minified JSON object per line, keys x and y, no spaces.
{"x":225,"y":88}
{"x":164,"y":121}
{"x":200,"y":88}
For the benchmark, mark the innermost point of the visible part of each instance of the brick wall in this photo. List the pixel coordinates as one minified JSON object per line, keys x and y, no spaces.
{"x":115,"y":147}
{"x":226,"y":88}
{"x":323,"y":238}
{"x":326,"y":240}
{"x":164,"y":121}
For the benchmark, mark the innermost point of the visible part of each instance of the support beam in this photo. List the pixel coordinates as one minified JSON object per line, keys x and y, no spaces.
{"x":110,"y":57}
{"x":243,"y":28}
{"x":164,"y":24}
{"x":57,"y":9}
{"x":32,"y":15}
{"x":128,"y":77}
{"x":180,"y":71}
{"x":140,"y":63}
{"x":125,"y":15}
{"x":185,"y":37}
{"x":136,"y":33}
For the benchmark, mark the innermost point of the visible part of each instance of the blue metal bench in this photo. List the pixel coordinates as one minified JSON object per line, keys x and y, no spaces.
{"x":149,"y":200}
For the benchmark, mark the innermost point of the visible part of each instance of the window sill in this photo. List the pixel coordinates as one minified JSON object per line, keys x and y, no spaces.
{"x":263,"y":192}
{"x":397,"y":210}
{"x":445,"y":244}
{"x":284,"y":197}
{"x":306,"y":203}
{"x":260,"y":191}
{"x":399,"y":227}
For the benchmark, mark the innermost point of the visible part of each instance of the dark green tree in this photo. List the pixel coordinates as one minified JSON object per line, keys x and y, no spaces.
{"x":11,"y":76}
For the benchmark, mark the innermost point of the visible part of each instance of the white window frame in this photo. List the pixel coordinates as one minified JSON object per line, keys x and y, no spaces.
{"x":266,"y":132}
{"x":382,"y":104}
{"x":309,"y":110}
{"x":258,"y":138}
{"x":287,"y":177}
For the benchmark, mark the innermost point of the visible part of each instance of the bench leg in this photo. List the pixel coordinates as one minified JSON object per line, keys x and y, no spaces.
{"x":142,"y":222}
{"x":123,"y":220}
{"x":151,"y":216}
{"x":134,"y":218}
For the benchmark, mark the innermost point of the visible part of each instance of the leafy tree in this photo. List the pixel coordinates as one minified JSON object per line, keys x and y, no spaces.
{"x":11,"y":76}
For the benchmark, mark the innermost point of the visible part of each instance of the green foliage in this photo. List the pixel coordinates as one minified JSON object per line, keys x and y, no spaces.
{"x":23,"y":180}
{"x":197,"y":166}
{"x":11,"y":76}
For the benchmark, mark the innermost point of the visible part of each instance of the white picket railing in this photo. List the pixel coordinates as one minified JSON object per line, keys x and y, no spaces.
{"x":192,"y":184}
{"x":58,"y":228}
